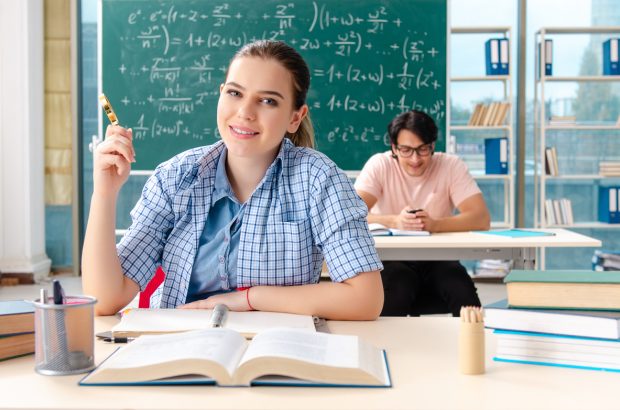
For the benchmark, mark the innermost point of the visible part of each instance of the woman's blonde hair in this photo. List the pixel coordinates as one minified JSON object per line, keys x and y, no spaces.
{"x":295,"y":64}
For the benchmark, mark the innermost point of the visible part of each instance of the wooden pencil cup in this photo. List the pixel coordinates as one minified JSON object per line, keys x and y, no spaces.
{"x":471,"y":348}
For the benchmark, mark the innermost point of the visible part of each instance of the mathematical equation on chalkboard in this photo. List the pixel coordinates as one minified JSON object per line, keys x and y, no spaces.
{"x":168,"y":59}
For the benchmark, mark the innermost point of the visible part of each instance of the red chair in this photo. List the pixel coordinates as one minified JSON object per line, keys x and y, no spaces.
{"x":145,"y":295}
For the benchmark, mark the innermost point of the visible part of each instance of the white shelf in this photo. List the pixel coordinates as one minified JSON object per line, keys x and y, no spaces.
{"x":498,"y":225}
{"x":592,"y":127}
{"x":579,"y":176}
{"x":482,"y":78}
{"x":479,"y":30}
{"x":505,"y":177}
{"x":580,"y":78}
{"x":579,"y":30}
{"x":480,"y":127}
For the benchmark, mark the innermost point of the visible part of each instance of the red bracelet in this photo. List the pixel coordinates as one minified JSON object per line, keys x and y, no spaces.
{"x":247,"y":297}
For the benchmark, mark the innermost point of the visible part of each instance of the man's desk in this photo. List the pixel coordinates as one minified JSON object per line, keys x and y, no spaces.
{"x":472,"y":245}
{"x":423,"y":358}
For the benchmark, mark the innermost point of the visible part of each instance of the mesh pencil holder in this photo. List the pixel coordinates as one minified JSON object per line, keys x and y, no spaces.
{"x":64,"y":336}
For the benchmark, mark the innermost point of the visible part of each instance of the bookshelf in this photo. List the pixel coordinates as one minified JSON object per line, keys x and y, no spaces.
{"x":571,"y":139}
{"x":476,"y":134}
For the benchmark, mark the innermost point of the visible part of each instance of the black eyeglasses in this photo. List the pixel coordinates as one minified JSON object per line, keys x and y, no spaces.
{"x":406,"y":151}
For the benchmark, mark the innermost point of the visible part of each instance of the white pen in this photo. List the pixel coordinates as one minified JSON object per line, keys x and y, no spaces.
{"x":219,"y":315}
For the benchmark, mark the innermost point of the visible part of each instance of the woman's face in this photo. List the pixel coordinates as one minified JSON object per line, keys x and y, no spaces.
{"x":255,"y":108}
{"x":414,"y":156}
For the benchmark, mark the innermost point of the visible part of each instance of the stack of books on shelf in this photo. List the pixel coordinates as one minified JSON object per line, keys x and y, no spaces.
{"x":609,"y":169}
{"x":559,"y":211}
{"x":551,"y":162}
{"x":559,"y":318}
{"x":489,"y":115}
{"x":562,"y":120}
{"x":492,"y":268}
{"x":16,"y":328}
{"x":605,"y":260}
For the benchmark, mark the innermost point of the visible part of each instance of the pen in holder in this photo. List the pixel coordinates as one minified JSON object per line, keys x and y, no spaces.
{"x":471,"y":341}
{"x":64,"y":335}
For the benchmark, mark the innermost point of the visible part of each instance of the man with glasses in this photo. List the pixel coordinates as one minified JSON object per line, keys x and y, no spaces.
{"x":413,"y":188}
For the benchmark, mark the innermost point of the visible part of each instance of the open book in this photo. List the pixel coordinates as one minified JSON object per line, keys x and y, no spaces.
{"x":382,"y":230}
{"x":138,"y":322}
{"x":224,"y":357}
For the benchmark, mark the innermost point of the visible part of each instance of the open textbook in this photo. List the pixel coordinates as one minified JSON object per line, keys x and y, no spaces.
{"x":279,"y":356}
{"x":136,"y":322}
{"x":382,"y":230}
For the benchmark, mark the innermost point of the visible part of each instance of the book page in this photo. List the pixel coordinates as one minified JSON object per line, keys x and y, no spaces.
{"x":251,"y":323}
{"x":402,"y":232}
{"x":348,"y":358}
{"x":157,"y":321}
{"x":318,"y":348}
{"x":163,"y":320}
{"x":218,"y":345}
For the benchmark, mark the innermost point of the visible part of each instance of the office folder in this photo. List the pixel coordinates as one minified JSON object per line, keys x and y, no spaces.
{"x":504,"y":57}
{"x":608,"y":200}
{"x":548,"y":62}
{"x":610,"y":57}
{"x":492,"y":56}
{"x":496,"y":156}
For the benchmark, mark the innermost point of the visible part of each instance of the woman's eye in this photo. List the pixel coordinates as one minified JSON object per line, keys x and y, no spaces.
{"x":233,"y":93}
{"x":269,"y":101}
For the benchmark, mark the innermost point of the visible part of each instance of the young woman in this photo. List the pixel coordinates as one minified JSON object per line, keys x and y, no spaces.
{"x":247,"y":221}
{"x":411,"y":177}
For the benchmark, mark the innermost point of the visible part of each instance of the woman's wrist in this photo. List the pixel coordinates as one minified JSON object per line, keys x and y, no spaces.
{"x":247,"y":298}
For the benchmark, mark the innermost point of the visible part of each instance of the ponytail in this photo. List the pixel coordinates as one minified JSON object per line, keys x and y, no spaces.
{"x":304,"y":136}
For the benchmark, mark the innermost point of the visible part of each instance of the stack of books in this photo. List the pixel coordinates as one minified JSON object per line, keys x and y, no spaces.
{"x":16,"y":328}
{"x":492,"y":268}
{"x":605,"y":260}
{"x":491,"y":115}
{"x":609,"y":169}
{"x":559,"y":211}
{"x":551,"y":162}
{"x":559,"y":318}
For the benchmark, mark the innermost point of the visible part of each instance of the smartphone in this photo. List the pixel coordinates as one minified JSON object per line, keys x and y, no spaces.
{"x":413,"y":211}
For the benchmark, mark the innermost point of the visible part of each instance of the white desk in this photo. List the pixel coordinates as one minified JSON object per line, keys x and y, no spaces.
{"x":422,"y":353}
{"x":471,"y":245}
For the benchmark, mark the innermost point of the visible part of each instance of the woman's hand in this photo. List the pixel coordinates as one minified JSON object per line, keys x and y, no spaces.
{"x":236,"y":301}
{"x":112,"y":160}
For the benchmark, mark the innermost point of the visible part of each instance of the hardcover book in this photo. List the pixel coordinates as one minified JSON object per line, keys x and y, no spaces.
{"x":138,"y":322}
{"x":382,"y":230}
{"x":561,"y":351}
{"x":564,"y":289}
{"x":16,"y":316}
{"x":586,"y":323}
{"x":224,"y":357}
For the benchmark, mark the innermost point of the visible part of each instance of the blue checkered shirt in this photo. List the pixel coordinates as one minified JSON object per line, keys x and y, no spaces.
{"x":303,"y":210}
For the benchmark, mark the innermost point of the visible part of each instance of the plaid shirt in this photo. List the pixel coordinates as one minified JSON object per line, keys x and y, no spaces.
{"x":304,"y":210}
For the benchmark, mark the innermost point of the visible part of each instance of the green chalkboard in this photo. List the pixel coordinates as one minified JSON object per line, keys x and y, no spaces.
{"x":162,"y":62}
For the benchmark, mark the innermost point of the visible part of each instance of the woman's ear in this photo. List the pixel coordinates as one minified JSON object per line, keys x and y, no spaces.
{"x":393,"y":151}
{"x":297,"y":118}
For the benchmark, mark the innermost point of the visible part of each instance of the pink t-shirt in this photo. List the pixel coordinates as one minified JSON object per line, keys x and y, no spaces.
{"x":443,"y":186}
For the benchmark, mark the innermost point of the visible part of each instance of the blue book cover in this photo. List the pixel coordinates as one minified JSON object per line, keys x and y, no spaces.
{"x":608,"y":197}
{"x":504,"y":57}
{"x":496,"y":156}
{"x":492,"y":56}
{"x":610,"y":57}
